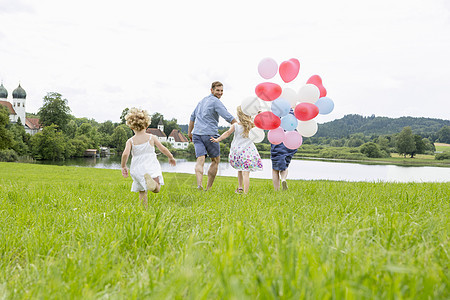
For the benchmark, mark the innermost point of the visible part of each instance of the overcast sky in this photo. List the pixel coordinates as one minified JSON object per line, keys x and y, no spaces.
{"x":385,"y":57}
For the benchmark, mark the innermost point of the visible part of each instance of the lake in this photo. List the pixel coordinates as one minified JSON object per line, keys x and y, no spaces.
{"x":298,"y":169}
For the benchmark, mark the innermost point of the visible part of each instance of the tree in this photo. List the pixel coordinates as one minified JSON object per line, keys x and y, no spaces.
{"x":444,"y":134}
{"x":54,"y":111}
{"x":405,"y":142}
{"x":21,"y":139}
{"x":119,"y":138}
{"x":6,"y":137}
{"x":122,"y":116}
{"x":371,"y":150}
{"x":49,"y":144}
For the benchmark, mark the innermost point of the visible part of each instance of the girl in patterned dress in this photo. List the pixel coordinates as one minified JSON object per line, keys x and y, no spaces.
{"x":244,"y":156}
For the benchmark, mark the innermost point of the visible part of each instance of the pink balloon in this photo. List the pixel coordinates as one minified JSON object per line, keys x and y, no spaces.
{"x":268,"y":91}
{"x":267,"y":120}
{"x":289,"y":70}
{"x":267,"y":68}
{"x":317,"y":81}
{"x":293,"y":140}
{"x":296,"y":62}
{"x":306,"y":111}
{"x":276,"y":136}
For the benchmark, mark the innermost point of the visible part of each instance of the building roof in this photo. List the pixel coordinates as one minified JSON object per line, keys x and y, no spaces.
{"x":8,"y":105}
{"x":3,"y":92}
{"x":160,"y":122}
{"x":33,"y":123}
{"x":156,"y":131}
{"x":178,"y":136}
{"x":19,"y":93}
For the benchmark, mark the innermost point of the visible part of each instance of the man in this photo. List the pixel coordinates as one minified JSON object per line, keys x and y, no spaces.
{"x":203,"y":124}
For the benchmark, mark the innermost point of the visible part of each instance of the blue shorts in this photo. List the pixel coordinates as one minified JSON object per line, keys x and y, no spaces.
{"x":281,"y":156}
{"x":204,"y":146}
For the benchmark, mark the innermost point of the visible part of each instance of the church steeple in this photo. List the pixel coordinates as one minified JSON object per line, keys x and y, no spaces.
{"x":161,"y":125}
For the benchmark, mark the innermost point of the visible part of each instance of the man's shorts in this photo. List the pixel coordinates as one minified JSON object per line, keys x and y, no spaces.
{"x":204,"y":146}
{"x":281,"y":156}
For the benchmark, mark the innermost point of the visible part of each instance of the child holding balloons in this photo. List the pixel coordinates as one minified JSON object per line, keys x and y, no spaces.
{"x":244,"y":156}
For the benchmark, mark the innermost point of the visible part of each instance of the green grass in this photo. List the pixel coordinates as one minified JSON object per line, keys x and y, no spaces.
{"x":71,"y":233}
{"x":442,"y":147}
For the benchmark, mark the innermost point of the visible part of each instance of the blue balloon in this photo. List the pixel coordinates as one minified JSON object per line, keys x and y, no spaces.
{"x":280,"y":107}
{"x":325,"y":105}
{"x":289,"y":122}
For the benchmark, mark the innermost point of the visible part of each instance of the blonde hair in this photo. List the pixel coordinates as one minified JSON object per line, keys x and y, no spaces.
{"x":246,"y":121}
{"x":137,"y":119}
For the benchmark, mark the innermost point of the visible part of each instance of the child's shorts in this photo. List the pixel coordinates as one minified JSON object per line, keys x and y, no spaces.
{"x":281,"y":156}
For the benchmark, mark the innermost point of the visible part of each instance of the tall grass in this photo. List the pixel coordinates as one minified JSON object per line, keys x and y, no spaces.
{"x":68,"y":232}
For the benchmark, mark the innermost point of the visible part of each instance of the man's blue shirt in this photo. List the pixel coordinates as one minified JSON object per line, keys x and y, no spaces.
{"x":206,"y":116}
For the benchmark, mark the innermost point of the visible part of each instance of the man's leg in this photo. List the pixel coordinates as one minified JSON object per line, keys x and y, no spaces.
{"x":199,"y":170}
{"x":212,"y":172}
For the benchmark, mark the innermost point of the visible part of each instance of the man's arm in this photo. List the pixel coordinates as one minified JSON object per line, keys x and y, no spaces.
{"x":190,"y":128}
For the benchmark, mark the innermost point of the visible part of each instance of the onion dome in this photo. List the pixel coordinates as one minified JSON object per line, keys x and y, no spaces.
{"x":3,"y":92}
{"x":19,"y":93}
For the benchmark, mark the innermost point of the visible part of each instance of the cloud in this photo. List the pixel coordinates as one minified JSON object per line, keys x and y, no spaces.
{"x":15,"y":6}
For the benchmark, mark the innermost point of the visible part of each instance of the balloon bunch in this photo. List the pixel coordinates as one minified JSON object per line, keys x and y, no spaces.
{"x":283,"y":126}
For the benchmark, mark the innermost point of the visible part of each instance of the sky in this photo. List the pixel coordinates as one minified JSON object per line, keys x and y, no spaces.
{"x":385,"y":57}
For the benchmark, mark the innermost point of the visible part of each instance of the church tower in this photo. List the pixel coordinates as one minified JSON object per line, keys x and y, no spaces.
{"x":161,"y":125}
{"x":19,"y":97}
{"x":3,"y":93}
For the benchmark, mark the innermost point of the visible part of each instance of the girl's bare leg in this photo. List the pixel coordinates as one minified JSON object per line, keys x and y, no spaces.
{"x":276,"y":179}
{"x":143,"y":198}
{"x":240,"y":179}
{"x":158,"y":185}
{"x":246,"y":180}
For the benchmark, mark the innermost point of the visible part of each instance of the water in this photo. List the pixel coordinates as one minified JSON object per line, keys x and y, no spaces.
{"x":298,"y":169}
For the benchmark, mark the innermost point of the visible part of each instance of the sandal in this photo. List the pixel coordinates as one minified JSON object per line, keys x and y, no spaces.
{"x":239,"y":191}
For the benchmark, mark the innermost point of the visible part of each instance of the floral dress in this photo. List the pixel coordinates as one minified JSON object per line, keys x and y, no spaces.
{"x":243,"y":154}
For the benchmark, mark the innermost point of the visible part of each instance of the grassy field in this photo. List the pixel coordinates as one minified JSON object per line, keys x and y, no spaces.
{"x":71,"y":233}
{"x":442,"y":147}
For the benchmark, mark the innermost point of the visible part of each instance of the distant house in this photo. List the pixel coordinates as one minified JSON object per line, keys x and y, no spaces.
{"x":16,"y":109}
{"x":178,"y":140}
{"x":159,"y":132}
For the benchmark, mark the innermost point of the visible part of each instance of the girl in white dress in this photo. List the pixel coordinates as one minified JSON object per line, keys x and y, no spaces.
{"x":145,"y":168}
{"x":244,"y":156}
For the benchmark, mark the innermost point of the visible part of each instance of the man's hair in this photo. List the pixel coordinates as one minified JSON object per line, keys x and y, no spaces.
{"x":216,"y":83}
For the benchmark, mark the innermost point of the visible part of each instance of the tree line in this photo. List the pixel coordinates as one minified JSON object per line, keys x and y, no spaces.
{"x":64,"y":135}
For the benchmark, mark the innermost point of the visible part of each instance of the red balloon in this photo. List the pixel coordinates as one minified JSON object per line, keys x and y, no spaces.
{"x":317,"y":81}
{"x":267,"y":120}
{"x":289,"y":69}
{"x":306,"y":111}
{"x":268,"y":91}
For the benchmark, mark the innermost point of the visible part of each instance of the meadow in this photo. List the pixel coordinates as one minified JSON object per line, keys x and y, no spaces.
{"x":71,"y":233}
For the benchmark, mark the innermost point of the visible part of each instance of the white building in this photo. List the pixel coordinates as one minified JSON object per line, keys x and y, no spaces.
{"x":17,"y":109}
{"x":176,"y":138}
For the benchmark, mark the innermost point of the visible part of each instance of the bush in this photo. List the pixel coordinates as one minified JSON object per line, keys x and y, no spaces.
{"x":442,"y":156}
{"x":8,"y":155}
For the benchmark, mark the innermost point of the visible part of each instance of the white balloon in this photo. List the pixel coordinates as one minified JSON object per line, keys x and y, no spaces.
{"x":309,"y":93}
{"x":290,"y":95}
{"x":307,"y":128}
{"x":250,"y":106}
{"x":256,"y":135}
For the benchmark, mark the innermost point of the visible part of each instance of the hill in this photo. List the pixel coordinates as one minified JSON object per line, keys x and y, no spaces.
{"x":351,"y":124}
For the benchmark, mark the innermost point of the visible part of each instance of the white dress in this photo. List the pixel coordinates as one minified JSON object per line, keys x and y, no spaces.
{"x":144,"y":161}
{"x":243,"y":153}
